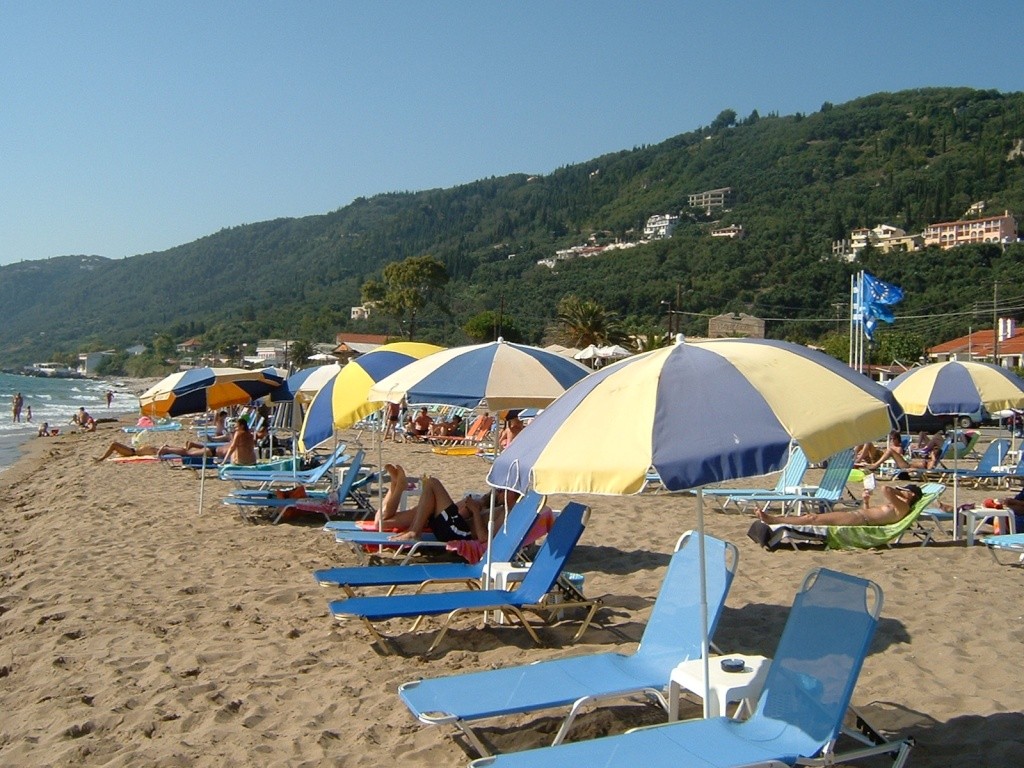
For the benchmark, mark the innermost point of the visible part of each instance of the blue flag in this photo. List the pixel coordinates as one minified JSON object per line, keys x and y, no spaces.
{"x":877,"y":301}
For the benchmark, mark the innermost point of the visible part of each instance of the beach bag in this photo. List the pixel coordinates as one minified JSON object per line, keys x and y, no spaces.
{"x":296,"y":492}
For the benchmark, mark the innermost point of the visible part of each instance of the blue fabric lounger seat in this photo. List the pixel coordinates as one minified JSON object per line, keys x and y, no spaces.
{"x":352,"y":475}
{"x":507,"y":542}
{"x":539,"y":580}
{"x":307,"y":477}
{"x":673,"y":635}
{"x":792,"y":476}
{"x":1008,"y":542}
{"x":828,"y":493}
{"x":800,"y":712}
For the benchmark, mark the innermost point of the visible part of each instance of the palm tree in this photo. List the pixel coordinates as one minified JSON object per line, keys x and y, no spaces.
{"x":584,"y":322}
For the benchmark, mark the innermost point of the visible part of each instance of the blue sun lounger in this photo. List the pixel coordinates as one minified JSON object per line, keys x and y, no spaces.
{"x":352,"y":475}
{"x":1007,"y":542}
{"x":507,"y":541}
{"x":798,"y":717}
{"x":673,"y":635}
{"x":266,"y":477}
{"x":994,"y":456}
{"x":828,"y":492}
{"x":538,"y":581}
{"x":792,"y":476}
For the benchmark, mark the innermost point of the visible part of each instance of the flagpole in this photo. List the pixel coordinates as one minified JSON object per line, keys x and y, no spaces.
{"x":852,"y":328}
{"x":861,"y":313}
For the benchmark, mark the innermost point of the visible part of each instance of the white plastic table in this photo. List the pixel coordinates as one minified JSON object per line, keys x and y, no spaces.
{"x":503,"y":575}
{"x":971,"y":519}
{"x":744,"y":687}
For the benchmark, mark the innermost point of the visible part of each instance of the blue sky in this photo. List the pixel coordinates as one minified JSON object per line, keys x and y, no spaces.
{"x":130,"y":127}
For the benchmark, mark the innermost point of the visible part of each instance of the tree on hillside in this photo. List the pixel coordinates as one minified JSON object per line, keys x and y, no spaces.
{"x":584,"y":322}
{"x":489,"y":325}
{"x":299,"y":352}
{"x":406,"y":288}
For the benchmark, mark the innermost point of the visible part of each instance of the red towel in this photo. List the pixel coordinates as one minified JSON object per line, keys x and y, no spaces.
{"x":473,"y":551}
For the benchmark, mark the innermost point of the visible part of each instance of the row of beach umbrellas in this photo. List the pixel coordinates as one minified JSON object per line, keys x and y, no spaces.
{"x":699,"y":413}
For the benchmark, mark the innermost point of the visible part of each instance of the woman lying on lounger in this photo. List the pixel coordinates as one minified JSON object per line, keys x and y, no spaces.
{"x":899,"y":500}
{"x":447,"y":519}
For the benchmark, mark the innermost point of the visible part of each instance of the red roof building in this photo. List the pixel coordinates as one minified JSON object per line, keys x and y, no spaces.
{"x":979,"y":346}
{"x":351,"y":345}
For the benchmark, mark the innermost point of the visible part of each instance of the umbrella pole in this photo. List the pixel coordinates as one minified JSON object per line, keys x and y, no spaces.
{"x":202,"y":482}
{"x":380,"y":480}
{"x":705,"y":641}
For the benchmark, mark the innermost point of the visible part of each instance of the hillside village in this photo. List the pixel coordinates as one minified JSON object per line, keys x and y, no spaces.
{"x":972,"y":229}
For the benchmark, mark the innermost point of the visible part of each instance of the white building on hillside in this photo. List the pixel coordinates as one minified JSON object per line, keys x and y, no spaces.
{"x":660,"y":226}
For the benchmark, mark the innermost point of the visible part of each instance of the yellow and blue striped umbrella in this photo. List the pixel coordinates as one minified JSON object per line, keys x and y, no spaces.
{"x":304,"y":384}
{"x":203,"y":389}
{"x":699,"y":413}
{"x":344,"y":399}
{"x":955,"y":388}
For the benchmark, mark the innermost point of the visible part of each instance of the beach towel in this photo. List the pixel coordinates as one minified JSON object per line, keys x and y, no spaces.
{"x":473,"y":551}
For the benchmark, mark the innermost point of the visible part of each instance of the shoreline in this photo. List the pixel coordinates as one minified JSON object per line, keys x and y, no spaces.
{"x":137,"y":631}
{"x":19,"y":443}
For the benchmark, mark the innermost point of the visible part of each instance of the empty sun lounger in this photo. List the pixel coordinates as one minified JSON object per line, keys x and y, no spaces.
{"x":530,"y":593}
{"x":799,"y":716}
{"x":790,"y":479}
{"x":672,"y":635}
{"x":826,"y":494}
{"x":1008,"y":542}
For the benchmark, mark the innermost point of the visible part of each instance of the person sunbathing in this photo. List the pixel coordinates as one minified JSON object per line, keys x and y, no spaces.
{"x":869,"y":456}
{"x":448,"y":520}
{"x":922,"y":456}
{"x":898,"y":502}
{"x":241,"y":450}
{"x":127,"y":450}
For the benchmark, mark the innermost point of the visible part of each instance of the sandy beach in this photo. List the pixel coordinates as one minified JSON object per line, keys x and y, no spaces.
{"x":135,"y":631}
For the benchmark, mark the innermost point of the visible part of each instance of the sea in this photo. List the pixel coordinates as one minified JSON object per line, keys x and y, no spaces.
{"x":54,"y":401}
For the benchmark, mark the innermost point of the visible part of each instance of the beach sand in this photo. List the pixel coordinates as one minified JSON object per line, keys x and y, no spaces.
{"x":135,"y":631}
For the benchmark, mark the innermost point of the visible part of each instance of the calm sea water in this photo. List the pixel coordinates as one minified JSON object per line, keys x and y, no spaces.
{"x":54,"y":401}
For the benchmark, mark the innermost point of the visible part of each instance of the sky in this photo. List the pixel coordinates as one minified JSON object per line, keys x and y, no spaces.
{"x":132,"y":127}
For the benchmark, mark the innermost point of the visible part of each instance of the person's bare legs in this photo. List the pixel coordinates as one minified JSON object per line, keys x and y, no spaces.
{"x":433,"y":498}
{"x":815,"y":518}
{"x":890,"y":454}
{"x":393,"y":497}
{"x":119,"y":448}
{"x":168,"y":450}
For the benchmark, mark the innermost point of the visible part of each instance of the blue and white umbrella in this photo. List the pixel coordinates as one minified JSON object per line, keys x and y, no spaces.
{"x":494,"y":376}
{"x":956,"y":388}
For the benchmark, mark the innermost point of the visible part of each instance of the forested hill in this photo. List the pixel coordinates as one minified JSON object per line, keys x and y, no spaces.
{"x":800,"y":181}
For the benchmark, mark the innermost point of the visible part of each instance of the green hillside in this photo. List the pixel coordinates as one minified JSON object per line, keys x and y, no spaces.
{"x":801,"y":181}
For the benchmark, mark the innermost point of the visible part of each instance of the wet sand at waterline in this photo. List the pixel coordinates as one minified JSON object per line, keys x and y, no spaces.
{"x":136,"y":631}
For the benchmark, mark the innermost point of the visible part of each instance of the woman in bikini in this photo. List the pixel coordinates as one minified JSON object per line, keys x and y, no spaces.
{"x":898,"y":502}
